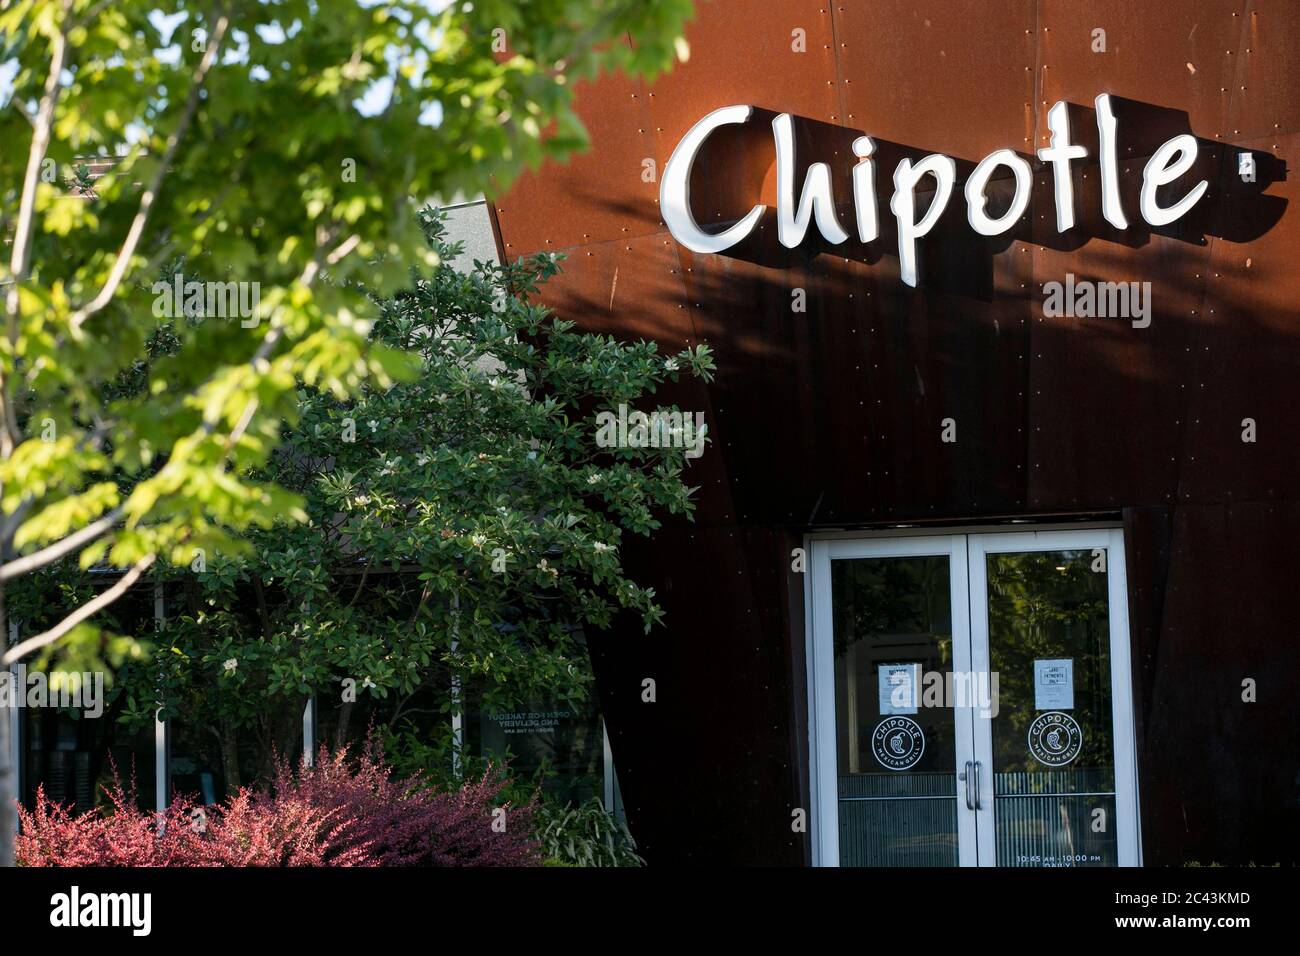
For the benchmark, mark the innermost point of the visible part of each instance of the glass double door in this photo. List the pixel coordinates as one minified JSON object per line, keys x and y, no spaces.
{"x":971,"y":702}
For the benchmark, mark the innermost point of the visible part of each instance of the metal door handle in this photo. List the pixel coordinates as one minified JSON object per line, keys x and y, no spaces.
{"x":966,"y":775}
{"x":977,"y":787}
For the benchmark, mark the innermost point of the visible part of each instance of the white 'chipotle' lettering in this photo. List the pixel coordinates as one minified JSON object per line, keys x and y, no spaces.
{"x":813,"y":202}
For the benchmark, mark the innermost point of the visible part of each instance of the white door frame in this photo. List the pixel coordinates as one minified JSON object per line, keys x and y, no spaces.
{"x":1121,"y":685}
{"x":821,"y":677}
{"x":969,"y":600}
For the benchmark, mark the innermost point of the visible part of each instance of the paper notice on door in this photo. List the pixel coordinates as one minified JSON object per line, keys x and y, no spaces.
{"x":1054,"y":684}
{"x":899,"y":687}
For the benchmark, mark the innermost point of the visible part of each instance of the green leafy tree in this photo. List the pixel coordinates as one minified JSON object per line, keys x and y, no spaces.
{"x":466,"y":524}
{"x":268,"y":145}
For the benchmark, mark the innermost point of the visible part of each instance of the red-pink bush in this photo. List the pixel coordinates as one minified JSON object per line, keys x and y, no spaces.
{"x":340,"y":812}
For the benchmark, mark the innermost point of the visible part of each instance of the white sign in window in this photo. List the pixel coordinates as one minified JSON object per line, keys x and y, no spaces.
{"x":898,"y":686}
{"x":1054,"y":684}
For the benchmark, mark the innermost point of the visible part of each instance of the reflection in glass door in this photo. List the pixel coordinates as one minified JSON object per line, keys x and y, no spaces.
{"x":897,"y":613}
{"x":1048,"y":616}
{"x":1035,"y":770}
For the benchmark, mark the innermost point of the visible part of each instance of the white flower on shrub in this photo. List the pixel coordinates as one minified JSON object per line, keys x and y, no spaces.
{"x":230,"y":664}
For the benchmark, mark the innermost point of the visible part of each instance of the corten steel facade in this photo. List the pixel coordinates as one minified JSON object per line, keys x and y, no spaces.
{"x":830,"y":418}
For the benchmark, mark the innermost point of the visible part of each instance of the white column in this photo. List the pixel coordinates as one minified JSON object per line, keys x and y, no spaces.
{"x":309,"y":732}
{"x":14,"y":717}
{"x":609,"y":768}
{"x":457,"y":714}
{"x":159,"y":725}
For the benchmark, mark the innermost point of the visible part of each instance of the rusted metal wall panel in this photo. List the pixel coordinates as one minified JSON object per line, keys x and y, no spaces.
{"x":905,"y":59}
{"x":831,"y":417}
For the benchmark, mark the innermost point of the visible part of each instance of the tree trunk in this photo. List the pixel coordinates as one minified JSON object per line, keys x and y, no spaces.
{"x":230,"y":755}
{"x":341,"y":731}
{"x":283,"y":735}
{"x":8,"y":772}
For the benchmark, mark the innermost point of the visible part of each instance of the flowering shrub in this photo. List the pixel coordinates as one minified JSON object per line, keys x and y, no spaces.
{"x":401,"y":823}
{"x":340,"y":812}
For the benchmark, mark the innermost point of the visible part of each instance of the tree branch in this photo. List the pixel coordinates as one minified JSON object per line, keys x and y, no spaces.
{"x":22,"y":240}
{"x":92,"y":12}
{"x":26,"y":114}
{"x":90,"y":608}
{"x":123,"y":260}
{"x":308,"y":276}
{"x":362,"y":583}
{"x":51,"y":553}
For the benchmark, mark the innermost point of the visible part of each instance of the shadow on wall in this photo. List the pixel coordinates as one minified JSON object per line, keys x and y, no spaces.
{"x":834,"y":377}
{"x":736,"y":168}
{"x":830,"y":416}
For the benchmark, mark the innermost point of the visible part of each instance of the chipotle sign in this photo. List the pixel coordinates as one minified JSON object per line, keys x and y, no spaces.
{"x":814,"y":202}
